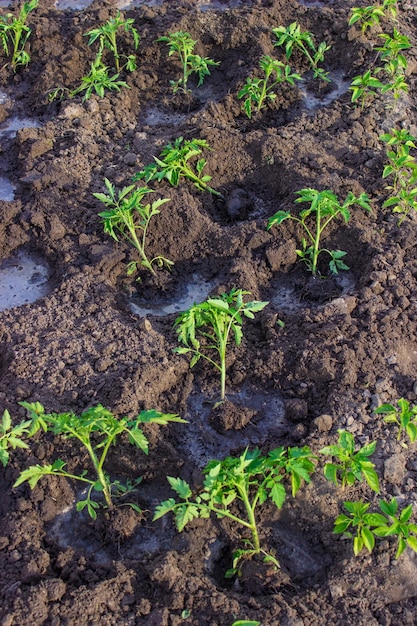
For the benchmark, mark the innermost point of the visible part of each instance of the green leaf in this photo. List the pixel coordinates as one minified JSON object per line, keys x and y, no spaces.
{"x":357,"y":545}
{"x":368,"y":539}
{"x":278,"y":494}
{"x":180,"y":487}
{"x":330,"y":472}
{"x":371,"y":478}
{"x":164,"y":508}
{"x":185,"y":513}
{"x":412,"y":542}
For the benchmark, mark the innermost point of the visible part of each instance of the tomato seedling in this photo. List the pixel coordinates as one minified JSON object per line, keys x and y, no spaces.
{"x":365,"y":87}
{"x":353,"y":465}
{"x":11,"y":436}
{"x":403,"y":167}
{"x":174,"y":163}
{"x":128,"y":215}
{"x":258,"y":90}
{"x":246,"y":481}
{"x":214,"y":320}
{"x":404,"y":415}
{"x":324,"y":207}
{"x":371,"y":15}
{"x":107,"y":35}
{"x":98,"y":80}
{"x":293,"y":37}
{"x":97,"y":430}
{"x":182,"y":44}
{"x":370,"y":525}
{"x":14,"y":34}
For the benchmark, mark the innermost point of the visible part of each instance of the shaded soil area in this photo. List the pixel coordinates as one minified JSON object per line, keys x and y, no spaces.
{"x":320,"y":357}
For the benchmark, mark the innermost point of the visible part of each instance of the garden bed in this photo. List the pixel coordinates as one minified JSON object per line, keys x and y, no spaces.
{"x":321,"y":356}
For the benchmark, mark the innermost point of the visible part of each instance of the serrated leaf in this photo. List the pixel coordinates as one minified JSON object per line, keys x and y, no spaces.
{"x":180,"y":486}
{"x":164,"y":508}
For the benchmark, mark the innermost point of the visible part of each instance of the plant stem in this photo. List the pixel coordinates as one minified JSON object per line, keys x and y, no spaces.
{"x":98,"y":466}
{"x":251,"y":517}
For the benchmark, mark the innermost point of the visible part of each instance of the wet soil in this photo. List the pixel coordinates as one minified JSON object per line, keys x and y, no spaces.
{"x":320,"y":357}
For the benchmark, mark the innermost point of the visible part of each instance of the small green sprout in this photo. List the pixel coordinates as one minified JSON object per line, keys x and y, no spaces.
{"x":14,"y":34}
{"x":293,"y":37}
{"x":11,"y":436}
{"x":393,"y":47}
{"x":404,"y":415}
{"x":403,"y":168}
{"x":370,"y":525}
{"x":352,"y":465}
{"x":365,"y":87}
{"x":128,"y":215}
{"x":371,"y":15}
{"x":182,"y":44}
{"x":247,"y":481}
{"x":107,"y":34}
{"x":324,"y":207}
{"x":214,"y":320}
{"x":257,"y":90}
{"x":246,"y":622}
{"x":174,"y":163}
{"x":98,"y":80}
{"x":97,"y":430}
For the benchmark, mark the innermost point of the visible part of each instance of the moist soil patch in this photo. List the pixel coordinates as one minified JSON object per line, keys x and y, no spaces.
{"x":320,"y":357}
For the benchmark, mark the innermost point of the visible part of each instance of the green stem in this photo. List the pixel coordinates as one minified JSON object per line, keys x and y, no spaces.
{"x":140,"y":247}
{"x":251,"y":517}
{"x":98,"y":466}
{"x":113,"y":44}
{"x":190,"y":174}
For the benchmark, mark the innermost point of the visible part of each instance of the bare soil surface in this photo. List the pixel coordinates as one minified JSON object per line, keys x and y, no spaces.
{"x":346,"y":345}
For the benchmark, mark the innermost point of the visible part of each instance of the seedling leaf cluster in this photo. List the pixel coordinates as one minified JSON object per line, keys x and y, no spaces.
{"x":96,"y":429}
{"x":247,"y":481}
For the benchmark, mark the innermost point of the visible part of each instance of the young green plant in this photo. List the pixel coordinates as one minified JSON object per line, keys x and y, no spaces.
{"x":403,"y":415}
{"x":257,"y":91}
{"x":324,"y":207}
{"x":403,"y":168}
{"x":246,"y":481}
{"x":367,"y":526}
{"x":371,"y":15}
{"x":205,"y":329}
{"x":107,"y":35}
{"x":98,"y":80}
{"x":128,"y":215}
{"x":175,"y":162}
{"x":182,"y":44}
{"x":96,"y":429}
{"x":293,"y":37}
{"x":11,"y":436}
{"x":365,"y":87}
{"x":14,"y":34}
{"x":352,"y":465}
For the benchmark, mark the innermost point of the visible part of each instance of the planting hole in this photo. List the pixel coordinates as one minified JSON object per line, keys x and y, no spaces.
{"x":23,"y":279}
{"x":13,"y":124}
{"x":71,"y":4}
{"x":7,"y":189}
{"x":156,"y":117}
{"x":215,"y":433}
{"x":290,"y":295}
{"x":194,"y":292}
{"x":335,"y":89}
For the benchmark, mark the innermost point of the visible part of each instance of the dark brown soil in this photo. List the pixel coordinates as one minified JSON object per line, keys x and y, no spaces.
{"x":345,"y":347}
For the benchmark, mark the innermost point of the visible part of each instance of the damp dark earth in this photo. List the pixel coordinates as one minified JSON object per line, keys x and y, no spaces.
{"x":78,"y":329}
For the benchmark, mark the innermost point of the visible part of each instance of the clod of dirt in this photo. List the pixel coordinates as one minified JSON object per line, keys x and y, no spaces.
{"x":238,"y":204}
{"x":229,"y":416}
{"x":260,"y":579}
